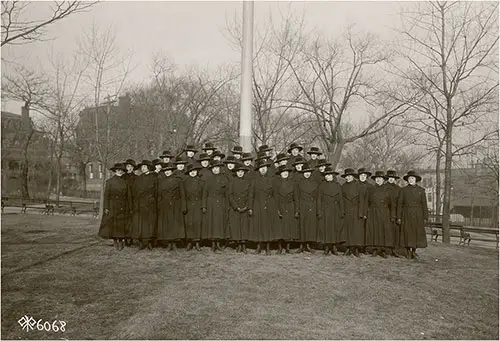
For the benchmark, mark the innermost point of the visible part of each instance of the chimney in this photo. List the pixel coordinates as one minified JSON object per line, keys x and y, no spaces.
{"x":25,"y":118}
{"x":124,"y":106}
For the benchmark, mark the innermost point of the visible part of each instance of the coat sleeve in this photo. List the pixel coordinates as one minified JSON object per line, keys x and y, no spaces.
{"x":182,"y":188}
{"x":230,"y":195}
{"x":399,"y":209}
{"x":425,"y":209}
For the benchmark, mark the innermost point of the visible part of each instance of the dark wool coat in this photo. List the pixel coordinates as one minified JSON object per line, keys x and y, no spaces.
{"x":118,"y":200}
{"x":306,"y":193}
{"x":180,"y":174}
{"x":205,"y":173}
{"x":264,"y":209}
{"x":287,"y":227}
{"x":353,"y":225}
{"x":412,"y":210}
{"x":229,"y":174}
{"x":313,"y":163}
{"x":296,"y":176}
{"x":130,"y":177}
{"x":170,"y":199}
{"x":144,"y":218}
{"x":193,"y":220}
{"x":394,"y":190}
{"x":216,"y":202}
{"x":238,"y":195}
{"x":330,"y":204}
{"x":379,"y":230}
{"x":318,"y":176}
{"x":292,"y":159}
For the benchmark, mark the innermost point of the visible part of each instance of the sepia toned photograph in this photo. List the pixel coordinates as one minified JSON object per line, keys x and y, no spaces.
{"x":250,"y":170}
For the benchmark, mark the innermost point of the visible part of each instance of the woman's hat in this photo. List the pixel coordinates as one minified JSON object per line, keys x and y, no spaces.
{"x":230,"y":159}
{"x":323,"y":162}
{"x":281,"y":157}
{"x":209,"y":146}
{"x":349,"y":171}
{"x":214,"y":163}
{"x":392,"y":174}
{"x":146,"y":163}
{"x":237,"y":150}
{"x":118,"y":166}
{"x":412,"y":173}
{"x":190,"y":148}
{"x":240,"y":166}
{"x":169,"y":166}
{"x":156,"y":162}
{"x":192,"y":167}
{"x":314,"y":150}
{"x":261,"y":163}
{"x":204,"y":156}
{"x":261,"y":155}
{"x":293,"y":146}
{"x":307,"y":168}
{"x":180,"y":160}
{"x":129,"y":162}
{"x":364,"y":171}
{"x":283,"y":168}
{"x":300,"y":160}
{"x":246,"y":156}
{"x":166,"y":153}
{"x":264,"y":148}
{"x":379,"y":174}
{"x":329,"y":170}
{"x":218,"y":153}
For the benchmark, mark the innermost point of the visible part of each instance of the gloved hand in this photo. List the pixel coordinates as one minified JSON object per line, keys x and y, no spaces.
{"x":393,"y":220}
{"x":399,"y":221}
{"x":106,"y":211}
{"x":204,"y":210}
{"x":280,"y":215}
{"x":319,"y":216}
{"x":250,"y":212}
{"x":184,"y":212}
{"x":297,"y":214}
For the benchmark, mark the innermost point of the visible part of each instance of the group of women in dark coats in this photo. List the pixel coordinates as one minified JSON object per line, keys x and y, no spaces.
{"x":286,"y":202}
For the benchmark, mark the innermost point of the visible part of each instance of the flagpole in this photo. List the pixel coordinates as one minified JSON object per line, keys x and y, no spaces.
{"x":246,"y":78}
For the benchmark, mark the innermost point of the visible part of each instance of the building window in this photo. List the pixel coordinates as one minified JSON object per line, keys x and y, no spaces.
{"x":91,"y":173}
{"x":100,"y":171}
{"x":429,"y":197}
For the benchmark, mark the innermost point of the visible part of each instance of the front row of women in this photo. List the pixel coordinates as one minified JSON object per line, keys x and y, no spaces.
{"x":250,"y":205}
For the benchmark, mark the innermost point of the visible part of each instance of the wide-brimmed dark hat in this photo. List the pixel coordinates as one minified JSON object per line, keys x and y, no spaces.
{"x":349,"y":171}
{"x":329,"y":170}
{"x":118,"y":166}
{"x":208,"y":146}
{"x":237,"y":150}
{"x":314,"y":150}
{"x":364,"y":171}
{"x":392,"y":174}
{"x":129,"y":162}
{"x":190,"y":148}
{"x":214,"y":163}
{"x":168,"y":166}
{"x":264,"y":148}
{"x":261,"y":155}
{"x":246,"y":156}
{"x":379,"y":174}
{"x":293,"y":146}
{"x":283,"y":168}
{"x":166,"y":153}
{"x":230,"y":159}
{"x":306,"y":168}
{"x":179,"y":160}
{"x":261,"y":163}
{"x":281,"y":157}
{"x":412,"y":173}
{"x":204,"y":156}
{"x":156,"y":162}
{"x":146,"y":163}
{"x":323,"y":162}
{"x":300,"y":160}
{"x":192,"y":167}
{"x":239,"y":166}
{"x":218,"y":153}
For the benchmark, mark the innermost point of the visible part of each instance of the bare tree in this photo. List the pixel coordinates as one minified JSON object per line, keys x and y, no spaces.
{"x":18,"y":27}
{"x":451,"y":53}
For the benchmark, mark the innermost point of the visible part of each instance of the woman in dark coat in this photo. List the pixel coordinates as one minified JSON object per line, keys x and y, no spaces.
{"x":193,"y":191}
{"x":380,"y":215}
{"x":170,"y":198}
{"x":261,"y":207}
{"x":394,"y":190}
{"x":288,"y":225}
{"x":412,"y":214}
{"x":330,"y":206}
{"x":214,"y":206}
{"x":238,"y":195}
{"x":306,"y":193}
{"x":130,"y":176}
{"x":144,"y":219}
{"x":117,"y":205}
{"x":353,"y":223}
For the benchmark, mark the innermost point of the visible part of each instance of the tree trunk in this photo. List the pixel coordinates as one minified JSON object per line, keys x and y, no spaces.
{"x":83,"y":174}
{"x":335,"y":153}
{"x":438,"y":183}
{"x":24,"y":165}
{"x":447,"y":177}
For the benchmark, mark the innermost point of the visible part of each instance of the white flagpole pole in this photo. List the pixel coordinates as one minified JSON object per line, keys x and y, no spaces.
{"x":246,"y":78}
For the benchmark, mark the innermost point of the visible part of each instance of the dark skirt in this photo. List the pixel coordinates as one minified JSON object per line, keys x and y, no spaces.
{"x":170,"y":220}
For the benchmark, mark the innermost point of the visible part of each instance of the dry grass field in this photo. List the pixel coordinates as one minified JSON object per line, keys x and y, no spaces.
{"x":56,"y":268}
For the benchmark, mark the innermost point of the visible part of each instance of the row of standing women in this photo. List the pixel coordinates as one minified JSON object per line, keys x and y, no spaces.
{"x":291,"y":201}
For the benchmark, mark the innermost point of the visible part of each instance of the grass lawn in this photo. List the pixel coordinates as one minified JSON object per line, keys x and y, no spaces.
{"x":55,"y":267}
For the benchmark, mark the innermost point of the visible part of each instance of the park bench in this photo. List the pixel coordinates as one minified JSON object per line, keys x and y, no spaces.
{"x":464,"y":233}
{"x":50,"y":208}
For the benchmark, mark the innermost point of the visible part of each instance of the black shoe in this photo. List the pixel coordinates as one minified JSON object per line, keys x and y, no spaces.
{"x":356,"y":252}
{"x":189,"y":246}
{"x":287,"y":250}
{"x":308,"y":248}
{"x":150,"y":246}
{"x":394,"y":254}
{"x":327,"y":251}
{"x":334,"y":250}
{"x":268,"y":251}
{"x":347,"y":252}
{"x":257,"y":251}
{"x":197,"y":246}
{"x":213,"y":247}
{"x":238,"y":248}
{"x":141,"y":245}
{"x":382,"y":254}
{"x":244,"y":248}
{"x":301,"y":249}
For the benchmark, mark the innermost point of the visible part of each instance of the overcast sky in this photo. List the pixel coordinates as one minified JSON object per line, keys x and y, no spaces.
{"x":192,"y":32}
